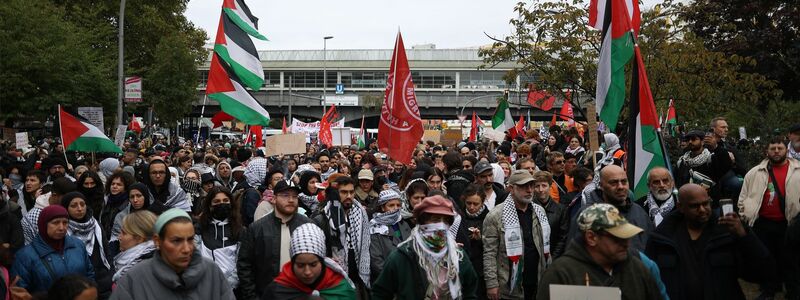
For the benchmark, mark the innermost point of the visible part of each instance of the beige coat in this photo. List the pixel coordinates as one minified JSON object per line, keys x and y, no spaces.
{"x":496,"y":264}
{"x":755,"y":184}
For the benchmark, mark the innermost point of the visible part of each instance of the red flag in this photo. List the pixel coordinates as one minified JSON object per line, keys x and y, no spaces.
{"x":480,"y":122}
{"x":134,"y":125}
{"x":325,"y":135}
{"x":255,"y":130}
{"x":284,"y":126}
{"x":218,"y":118}
{"x":540,"y":99}
{"x":520,"y":126}
{"x":473,"y":132}
{"x":566,"y":111}
{"x":400,"y":129}
{"x":553,"y":121}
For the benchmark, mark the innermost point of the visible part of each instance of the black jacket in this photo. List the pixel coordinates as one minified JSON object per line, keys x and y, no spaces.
{"x":475,"y":249}
{"x":501,"y":193}
{"x":725,"y":258}
{"x":719,"y":164}
{"x":259,"y":253}
{"x":559,"y":222}
{"x":10,"y":226}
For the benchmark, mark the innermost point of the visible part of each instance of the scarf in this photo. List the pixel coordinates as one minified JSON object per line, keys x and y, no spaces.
{"x":88,"y":232}
{"x":575,"y":151}
{"x":792,"y":152}
{"x":477,"y":214}
{"x":351,"y":232}
{"x":406,"y":208}
{"x":432,"y":262}
{"x":696,"y":161}
{"x":381,"y":221}
{"x":117,"y":200}
{"x":125,"y":260}
{"x":514,"y":240}
{"x":309,"y":202}
{"x":659,"y":213}
{"x":333,"y":284}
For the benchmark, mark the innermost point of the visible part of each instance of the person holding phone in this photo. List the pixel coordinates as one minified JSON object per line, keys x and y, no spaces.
{"x":702,"y":255}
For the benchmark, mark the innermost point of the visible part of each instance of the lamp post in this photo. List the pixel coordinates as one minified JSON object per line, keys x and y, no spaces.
{"x":120,"y":59}
{"x":325,"y":72}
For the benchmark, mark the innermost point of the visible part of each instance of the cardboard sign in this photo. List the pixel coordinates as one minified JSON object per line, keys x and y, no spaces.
{"x":119,"y":137}
{"x":742,"y":133}
{"x":451,"y":137}
{"x":570,"y":292}
{"x":494,"y":135}
{"x":286,"y":144}
{"x":341,"y":136}
{"x":22,"y":140}
{"x":432,"y":135}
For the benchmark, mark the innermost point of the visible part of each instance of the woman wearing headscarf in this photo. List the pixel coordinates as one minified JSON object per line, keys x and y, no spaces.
{"x":309,"y":191}
{"x":135,"y":242}
{"x":219,"y":229}
{"x":116,"y":202}
{"x":138,"y":199}
{"x":176,"y":270}
{"x":387,"y":230}
{"x":90,"y":185}
{"x":164,"y":195}
{"x":107,"y":167}
{"x":193,"y":186}
{"x":52,"y":253}
{"x":310,"y":273}
{"x":223,"y":174}
{"x":429,"y":264}
{"x":86,"y":228}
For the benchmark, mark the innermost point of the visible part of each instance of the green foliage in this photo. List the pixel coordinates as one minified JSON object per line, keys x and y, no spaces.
{"x":172,"y":95}
{"x":46,"y":60}
{"x":552,"y":41}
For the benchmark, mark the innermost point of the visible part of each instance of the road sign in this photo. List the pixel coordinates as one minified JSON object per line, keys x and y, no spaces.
{"x":339,"y":88}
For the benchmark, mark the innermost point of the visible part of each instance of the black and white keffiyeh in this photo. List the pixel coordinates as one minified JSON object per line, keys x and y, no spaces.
{"x":127,"y":259}
{"x":692,"y":162}
{"x":662,"y":211}
{"x":352,"y":232}
{"x":381,"y":221}
{"x":511,"y":224}
{"x":307,"y":238}
{"x":89,"y":232}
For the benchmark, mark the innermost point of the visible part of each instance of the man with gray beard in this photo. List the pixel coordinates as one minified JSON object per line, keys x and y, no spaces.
{"x":661,"y":199}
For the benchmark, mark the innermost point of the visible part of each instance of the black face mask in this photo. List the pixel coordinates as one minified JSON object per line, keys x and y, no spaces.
{"x":221,"y":211}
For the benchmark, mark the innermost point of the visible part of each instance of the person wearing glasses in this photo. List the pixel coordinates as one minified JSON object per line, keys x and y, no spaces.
{"x":264,"y":248}
{"x":562,"y":183}
{"x":163,"y":193}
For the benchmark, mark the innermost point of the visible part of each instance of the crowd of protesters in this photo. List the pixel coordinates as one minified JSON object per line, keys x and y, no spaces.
{"x":476,"y":220}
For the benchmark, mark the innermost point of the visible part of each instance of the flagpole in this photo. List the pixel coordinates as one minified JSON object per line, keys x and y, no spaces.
{"x":200,"y":121}
{"x":61,"y":132}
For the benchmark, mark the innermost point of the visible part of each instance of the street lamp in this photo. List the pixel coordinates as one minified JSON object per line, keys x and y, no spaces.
{"x":325,"y":72}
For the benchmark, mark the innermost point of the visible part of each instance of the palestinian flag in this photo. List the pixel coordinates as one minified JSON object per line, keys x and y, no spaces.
{"x":224,"y":87}
{"x":672,"y":119}
{"x":502,"y":120}
{"x":80,"y":135}
{"x":613,"y":18}
{"x":239,"y":13}
{"x":645,"y":149}
{"x":360,"y":140}
{"x":235,"y":47}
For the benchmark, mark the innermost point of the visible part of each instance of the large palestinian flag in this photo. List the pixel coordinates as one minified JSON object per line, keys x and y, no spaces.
{"x":235,"y":47}
{"x":224,"y":87}
{"x":79,"y":135}
{"x":239,"y":13}
{"x":645,"y":149}
{"x":614,"y":18}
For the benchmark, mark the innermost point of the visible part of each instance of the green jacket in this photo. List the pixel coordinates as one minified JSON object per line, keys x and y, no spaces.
{"x":402,"y":277}
{"x":631,"y":276}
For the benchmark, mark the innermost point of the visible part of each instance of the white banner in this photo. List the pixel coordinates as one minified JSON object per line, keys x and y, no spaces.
{"x":22,"y":140}
{"x":94,"y":115}
{"x":133,"y":89}
{"x":310,"y":128}
{"x":119,"y":137}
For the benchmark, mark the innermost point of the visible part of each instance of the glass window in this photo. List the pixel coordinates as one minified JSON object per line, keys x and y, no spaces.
{"x":482,"y":80}
{"x":272,"y":79}
{"x":203,"y":78}
{"x":366,"y":79}
{"x":434,"y":79}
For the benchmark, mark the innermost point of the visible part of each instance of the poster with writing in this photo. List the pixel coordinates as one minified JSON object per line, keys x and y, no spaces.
{"x":285,"y":144}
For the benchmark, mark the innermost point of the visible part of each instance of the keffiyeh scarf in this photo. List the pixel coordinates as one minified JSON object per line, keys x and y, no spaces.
{"x":381,"y":221}
{"x":310,"y":202}
{"x":792,"y":152}
{"x":88,"y":232}
{"x":352,"y":232}
{"x":696,"y":161}
{"x":659,"y":213}
{"x":432,"y":262}
{"x":514,"y":240}
{"x":125,"y":260}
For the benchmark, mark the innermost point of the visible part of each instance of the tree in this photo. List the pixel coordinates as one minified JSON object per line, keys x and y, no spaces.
{"x":553,"y":42}
{"x":172,"y":95}
{"x":45,"y":61}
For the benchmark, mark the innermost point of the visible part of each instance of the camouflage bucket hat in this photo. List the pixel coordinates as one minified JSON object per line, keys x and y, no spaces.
{"x":602,"y":216}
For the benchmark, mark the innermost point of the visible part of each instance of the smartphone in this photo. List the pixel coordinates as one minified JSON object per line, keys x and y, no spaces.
{"x":727,"y":206}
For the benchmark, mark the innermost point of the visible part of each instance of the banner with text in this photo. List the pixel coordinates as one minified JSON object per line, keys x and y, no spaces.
{"x":310,"y":128}
{"x":133,"y":89}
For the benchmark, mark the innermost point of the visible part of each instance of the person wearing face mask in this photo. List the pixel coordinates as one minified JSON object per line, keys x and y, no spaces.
{"x":429,"y":264}
{"x":516,"y":242}
{"x":85,"y":227}
{"x":218,"y":229}
{"x":91,"y":186}
{"x":310,"y":273}
{"x":661,"y":199}
{"x":387,"y":230}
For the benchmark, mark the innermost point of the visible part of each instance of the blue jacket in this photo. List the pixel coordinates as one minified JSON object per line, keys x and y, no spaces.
{"x":34,"y":275}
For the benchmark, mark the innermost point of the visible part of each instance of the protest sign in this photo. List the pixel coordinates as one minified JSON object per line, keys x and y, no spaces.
{"x":432,"y":135}
{"x":285,"y":144}
{"x":451,"y":137}
{"x":342,"y":136}
{"x":494,"y":135}
{"x":22,"y":140}
{"x":569,"y":292}
{"x":119,"y":137}
{"x":310,"y":128}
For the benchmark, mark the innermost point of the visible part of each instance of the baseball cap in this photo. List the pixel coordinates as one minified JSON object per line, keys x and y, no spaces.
{"x":694,"y":133}
{"x":606,"y":217}
{"x":365,"y":174}
{"x":434,"y":205}
{"x":519,"y":177}
{"x":481,"y":167}
{"x":284,"y":185}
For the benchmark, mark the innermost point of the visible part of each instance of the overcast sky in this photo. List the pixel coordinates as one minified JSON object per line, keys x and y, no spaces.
{"x":301,"y":25}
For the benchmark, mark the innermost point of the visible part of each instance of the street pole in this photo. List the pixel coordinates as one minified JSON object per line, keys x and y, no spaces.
{"x":290,"y":99}
{"x":120,"y":60}
{"x":325,"y":72}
